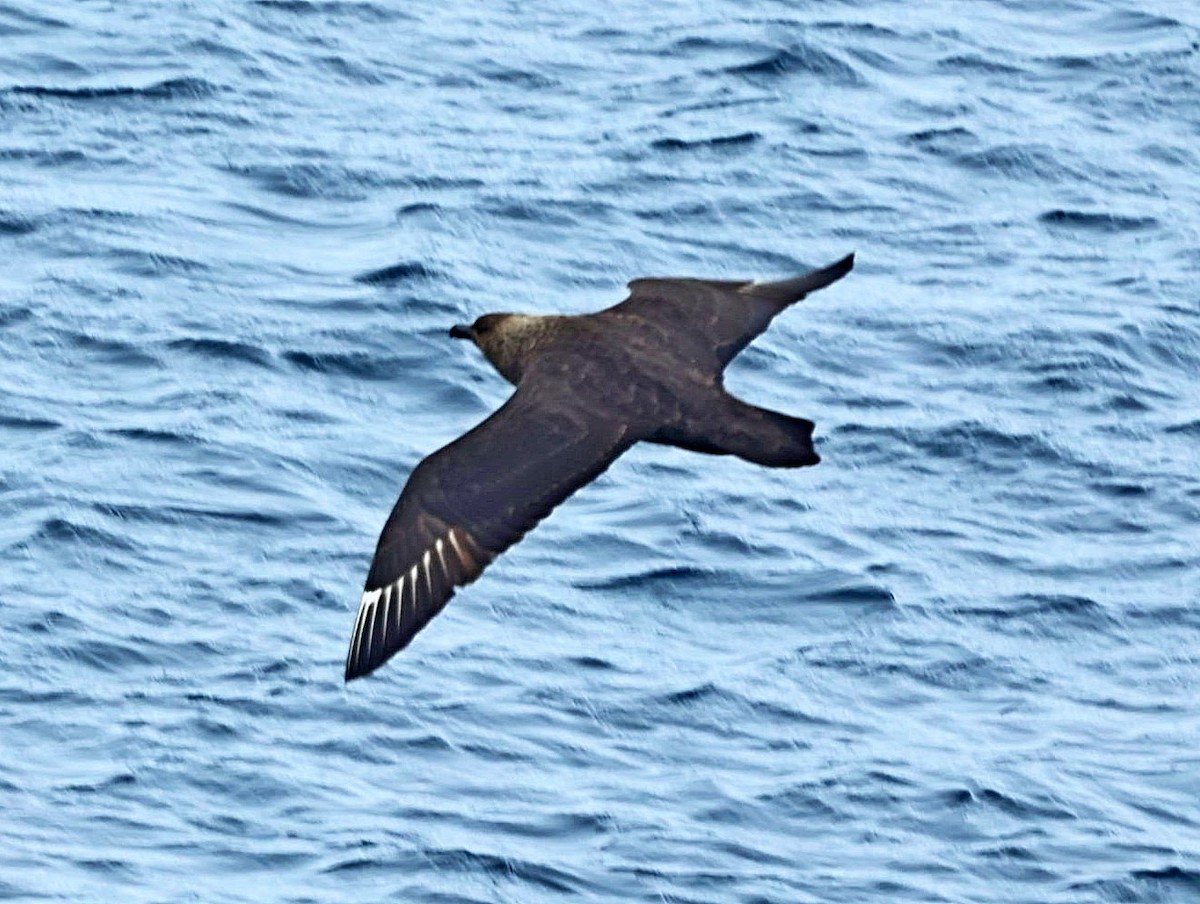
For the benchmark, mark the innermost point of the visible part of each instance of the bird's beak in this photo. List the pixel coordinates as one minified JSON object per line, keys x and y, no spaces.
{"x":459,"y":331}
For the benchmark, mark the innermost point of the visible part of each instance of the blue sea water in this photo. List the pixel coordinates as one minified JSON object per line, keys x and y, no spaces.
{"x":958,"y":661}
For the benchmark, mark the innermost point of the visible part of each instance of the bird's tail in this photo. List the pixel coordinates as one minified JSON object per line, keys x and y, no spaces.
{"x":730,"y":426}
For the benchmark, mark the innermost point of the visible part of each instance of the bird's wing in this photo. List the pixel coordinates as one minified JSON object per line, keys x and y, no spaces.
{"x":471,"y":500}
{"x":728,"y":315}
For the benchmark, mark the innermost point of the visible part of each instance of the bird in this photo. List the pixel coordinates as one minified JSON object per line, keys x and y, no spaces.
{"x":588,"y":387}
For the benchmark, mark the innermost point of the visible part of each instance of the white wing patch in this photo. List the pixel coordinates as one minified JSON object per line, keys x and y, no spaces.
{"x":366,"y":608}
{"x":439,"y":546}
{"x":463,"y":557}
{"x":398,"y":600}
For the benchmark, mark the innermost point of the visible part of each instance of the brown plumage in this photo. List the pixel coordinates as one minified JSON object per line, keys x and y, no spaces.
{"x":588,"y":388}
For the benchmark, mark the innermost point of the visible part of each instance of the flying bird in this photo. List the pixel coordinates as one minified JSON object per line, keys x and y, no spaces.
{"x":588,"y":387}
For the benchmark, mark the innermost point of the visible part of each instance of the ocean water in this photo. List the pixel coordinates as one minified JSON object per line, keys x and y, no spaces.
{"x":959,"y":661}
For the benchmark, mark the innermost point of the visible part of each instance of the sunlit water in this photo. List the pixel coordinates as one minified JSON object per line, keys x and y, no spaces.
{"x":955,"y":662}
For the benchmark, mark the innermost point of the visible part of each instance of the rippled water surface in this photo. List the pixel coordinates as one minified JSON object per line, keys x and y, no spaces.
{"x":958,"y":661}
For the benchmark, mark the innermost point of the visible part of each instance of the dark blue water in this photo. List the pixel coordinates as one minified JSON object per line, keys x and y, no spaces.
{"x":959,"y":661}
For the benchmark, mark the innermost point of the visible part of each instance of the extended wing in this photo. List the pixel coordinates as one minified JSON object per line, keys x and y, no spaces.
{"x":725,"y":316}
{"x":467,"y":503}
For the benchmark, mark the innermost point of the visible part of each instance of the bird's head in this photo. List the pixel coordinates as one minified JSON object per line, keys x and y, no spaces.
{"x":505,"y":339}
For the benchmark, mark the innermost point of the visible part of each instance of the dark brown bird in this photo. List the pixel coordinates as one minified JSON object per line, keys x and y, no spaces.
{"x":588,"y":387}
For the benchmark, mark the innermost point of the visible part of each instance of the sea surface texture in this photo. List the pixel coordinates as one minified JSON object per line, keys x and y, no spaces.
{"x":959,"y":661}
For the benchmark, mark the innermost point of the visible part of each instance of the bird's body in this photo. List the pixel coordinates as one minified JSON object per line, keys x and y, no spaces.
{"x":588,"y":387}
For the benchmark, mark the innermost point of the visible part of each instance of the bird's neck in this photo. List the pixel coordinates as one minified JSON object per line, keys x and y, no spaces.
{"x":511,"y":343}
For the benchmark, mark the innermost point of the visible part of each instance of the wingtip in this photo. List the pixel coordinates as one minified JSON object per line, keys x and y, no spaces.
{"x":397,"y":602}
{"x":354,"y":668}
{"x":831,"y":274}
{"x":361,"y":667}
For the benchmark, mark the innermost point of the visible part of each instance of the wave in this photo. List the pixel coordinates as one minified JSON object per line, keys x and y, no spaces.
{"x":184,"y":88}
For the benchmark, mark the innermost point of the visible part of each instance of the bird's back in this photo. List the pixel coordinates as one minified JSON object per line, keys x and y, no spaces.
{"x":623,"y":368}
